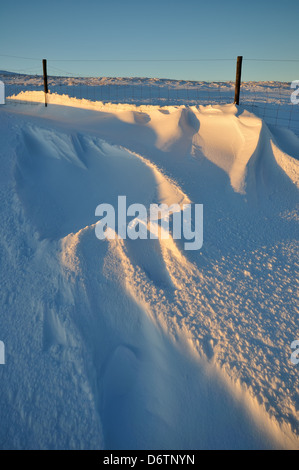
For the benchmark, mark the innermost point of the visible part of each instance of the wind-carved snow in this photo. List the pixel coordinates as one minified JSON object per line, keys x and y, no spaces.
{"x":166,"y":348}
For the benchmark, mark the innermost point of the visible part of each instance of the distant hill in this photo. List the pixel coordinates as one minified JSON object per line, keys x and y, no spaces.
{"x":5,"y":72}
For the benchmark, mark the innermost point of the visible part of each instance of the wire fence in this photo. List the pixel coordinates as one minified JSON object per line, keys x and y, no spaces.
{"x":270,"y":100}
{"x":138,"y":91}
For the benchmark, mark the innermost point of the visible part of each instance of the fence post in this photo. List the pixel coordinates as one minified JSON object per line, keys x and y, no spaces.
{"x":45,"y":79}
{"x":238,"y":80}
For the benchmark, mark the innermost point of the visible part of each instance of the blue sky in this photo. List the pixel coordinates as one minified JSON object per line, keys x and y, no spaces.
{"x":65,"y":30}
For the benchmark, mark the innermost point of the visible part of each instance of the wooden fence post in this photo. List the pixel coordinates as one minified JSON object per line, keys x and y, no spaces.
{"x":238,"y":80}
{"x":45,"y":79}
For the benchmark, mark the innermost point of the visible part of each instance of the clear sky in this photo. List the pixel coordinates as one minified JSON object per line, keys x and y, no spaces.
{"x":164,"y":31}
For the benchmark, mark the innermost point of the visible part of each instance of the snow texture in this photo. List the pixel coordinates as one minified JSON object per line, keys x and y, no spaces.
{"x":122,"y":344}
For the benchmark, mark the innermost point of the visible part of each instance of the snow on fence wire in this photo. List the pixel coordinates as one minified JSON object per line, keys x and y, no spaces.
{"x":269,"y":100}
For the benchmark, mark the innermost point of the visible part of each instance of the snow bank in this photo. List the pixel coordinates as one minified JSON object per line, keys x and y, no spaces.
{"x":128,"y":345}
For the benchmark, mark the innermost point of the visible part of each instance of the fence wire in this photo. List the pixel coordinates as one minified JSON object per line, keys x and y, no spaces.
{"x":270,"y":100}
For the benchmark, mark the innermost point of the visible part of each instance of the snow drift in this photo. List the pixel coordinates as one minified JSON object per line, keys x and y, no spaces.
{"x":127,"y":344}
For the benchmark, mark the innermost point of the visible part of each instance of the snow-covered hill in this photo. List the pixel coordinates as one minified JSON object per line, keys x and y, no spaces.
{"x":126,"y":344}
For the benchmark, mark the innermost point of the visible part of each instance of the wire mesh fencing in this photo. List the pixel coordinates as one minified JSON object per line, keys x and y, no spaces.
{"x":269,"y":100}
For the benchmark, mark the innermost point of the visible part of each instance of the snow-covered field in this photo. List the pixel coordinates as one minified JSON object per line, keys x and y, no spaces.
{"x":123,"y":344}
